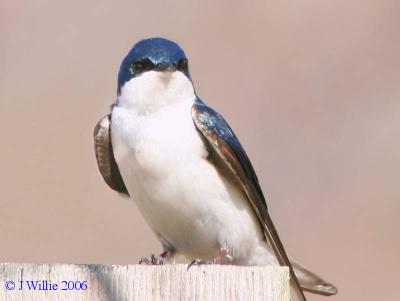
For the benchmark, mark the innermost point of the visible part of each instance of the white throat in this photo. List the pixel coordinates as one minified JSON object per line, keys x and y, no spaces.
{"x":153,"y":90}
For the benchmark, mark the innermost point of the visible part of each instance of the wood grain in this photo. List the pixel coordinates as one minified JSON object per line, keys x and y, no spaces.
{"x":135,"y":282}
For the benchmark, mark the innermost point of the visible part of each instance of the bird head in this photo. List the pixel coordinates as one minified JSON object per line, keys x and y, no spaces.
{"x":154,"y":54}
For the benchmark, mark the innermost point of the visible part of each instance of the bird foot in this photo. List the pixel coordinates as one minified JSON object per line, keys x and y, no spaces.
{"x":223,"y":256}
{"x":154,"y":260}
{"x":199,"y":261}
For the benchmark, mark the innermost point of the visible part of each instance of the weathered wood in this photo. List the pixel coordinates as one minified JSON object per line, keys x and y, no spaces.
{"x":134,"y":282}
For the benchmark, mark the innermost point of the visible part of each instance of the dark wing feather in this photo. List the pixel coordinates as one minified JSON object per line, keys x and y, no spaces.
{"x":105,"y":156}
{"x":227,"y":151}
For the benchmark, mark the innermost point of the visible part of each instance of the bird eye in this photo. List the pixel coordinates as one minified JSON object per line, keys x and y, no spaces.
{"x":140,"y":66}
{"x":182,"y":64}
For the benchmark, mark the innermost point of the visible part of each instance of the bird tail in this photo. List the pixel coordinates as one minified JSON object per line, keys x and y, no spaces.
{"x":312,"y":283}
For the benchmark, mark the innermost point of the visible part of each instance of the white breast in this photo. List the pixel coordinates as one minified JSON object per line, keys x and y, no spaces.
{"x":163,"y":162}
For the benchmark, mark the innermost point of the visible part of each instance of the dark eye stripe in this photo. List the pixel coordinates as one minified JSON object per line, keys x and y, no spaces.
{"x":140,"y":66}
{"x":182,"y":64}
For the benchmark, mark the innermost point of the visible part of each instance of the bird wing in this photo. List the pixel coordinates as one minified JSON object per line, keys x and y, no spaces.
{"x":228,"y":155}
{"x":105,"y":157}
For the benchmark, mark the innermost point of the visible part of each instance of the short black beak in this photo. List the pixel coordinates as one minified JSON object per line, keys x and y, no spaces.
{"x":165,"y":67}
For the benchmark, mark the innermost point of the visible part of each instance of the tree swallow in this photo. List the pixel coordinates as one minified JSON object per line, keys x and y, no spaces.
{"x":187,"y":171}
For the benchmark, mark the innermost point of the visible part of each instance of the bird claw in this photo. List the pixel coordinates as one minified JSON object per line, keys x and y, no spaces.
{"x":222,"y":256}
{"x":154,"y":260}
{"x":199,"y":261}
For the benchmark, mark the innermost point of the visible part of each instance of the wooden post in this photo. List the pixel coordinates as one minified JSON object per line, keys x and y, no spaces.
{"x":73,"y":282}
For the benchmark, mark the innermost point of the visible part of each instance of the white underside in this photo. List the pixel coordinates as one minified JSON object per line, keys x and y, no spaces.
{"x":164,"y":165}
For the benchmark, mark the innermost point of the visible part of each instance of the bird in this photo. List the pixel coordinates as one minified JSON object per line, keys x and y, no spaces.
{"x":186,"y":170}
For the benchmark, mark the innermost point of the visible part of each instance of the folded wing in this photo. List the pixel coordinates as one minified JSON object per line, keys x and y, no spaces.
{"x":105,"y":157}
{"x":228,"y":154}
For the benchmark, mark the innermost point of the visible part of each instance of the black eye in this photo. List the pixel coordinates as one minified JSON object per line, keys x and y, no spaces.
{"x":182,"y":64}
{"x":140,"y":66}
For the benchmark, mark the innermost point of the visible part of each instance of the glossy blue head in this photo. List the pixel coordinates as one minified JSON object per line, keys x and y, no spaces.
{"x":155,"y":54}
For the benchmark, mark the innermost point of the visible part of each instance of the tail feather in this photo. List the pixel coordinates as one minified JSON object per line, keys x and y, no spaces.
{"x":311,"y":282}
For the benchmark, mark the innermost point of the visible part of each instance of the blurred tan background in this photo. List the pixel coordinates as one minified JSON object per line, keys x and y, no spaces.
{"x":312,"y":89}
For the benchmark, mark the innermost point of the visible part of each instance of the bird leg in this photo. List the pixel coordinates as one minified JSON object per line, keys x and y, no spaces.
{"x":223,"y":256}
{"x":158,"y":259}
